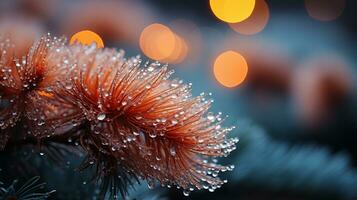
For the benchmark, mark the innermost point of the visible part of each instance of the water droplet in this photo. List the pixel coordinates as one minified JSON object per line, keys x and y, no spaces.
{"x":174,"y":85}
{"x":210,"y":117}
{"x":151,"y":184}
{"x":152,"y":134}
{"x":101,"y":116}
{"x":186,"y":193}
{"x":40,"y":123}
{"x":173,"y":151}
{"x":231,"y":167}
{"x":150,"y":69}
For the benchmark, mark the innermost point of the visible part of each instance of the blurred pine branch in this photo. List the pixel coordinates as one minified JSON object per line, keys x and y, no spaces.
{"x":262,"y":161}
{"x":31,"y":190}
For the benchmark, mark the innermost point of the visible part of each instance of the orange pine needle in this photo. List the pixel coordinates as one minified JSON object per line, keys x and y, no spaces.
{"x":131,"y":118}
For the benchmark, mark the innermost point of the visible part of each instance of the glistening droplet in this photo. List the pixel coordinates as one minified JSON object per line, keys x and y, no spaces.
{"x":101,"y":116}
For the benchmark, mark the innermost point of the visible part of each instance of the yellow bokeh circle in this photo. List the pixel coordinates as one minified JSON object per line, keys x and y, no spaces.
{"x":232,"y":11}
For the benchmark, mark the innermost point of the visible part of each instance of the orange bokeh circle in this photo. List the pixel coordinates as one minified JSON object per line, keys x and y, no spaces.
{"x":230,"y":68}
{"x":87,"y":37}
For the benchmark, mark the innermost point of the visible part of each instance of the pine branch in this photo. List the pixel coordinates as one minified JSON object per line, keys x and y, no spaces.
{"x":28,"y":191}
{"x":130,"y":119}
{"x":263,"y":161}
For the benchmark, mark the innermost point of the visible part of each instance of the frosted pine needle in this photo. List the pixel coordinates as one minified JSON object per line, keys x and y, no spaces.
{"x":132,"y":119}
{"x":20,"y":78}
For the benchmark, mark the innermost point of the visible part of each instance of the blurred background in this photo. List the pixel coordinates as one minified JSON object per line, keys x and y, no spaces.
{"x":284,"y":72}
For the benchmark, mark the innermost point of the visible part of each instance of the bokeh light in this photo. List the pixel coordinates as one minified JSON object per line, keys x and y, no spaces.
{"x":325,"y":10}
{"x":232,"y":11}
{"x":87,"y":37}
{"x":256,"y":22}
{"x":180,"y":51}
{"x":191,"y":35}
{"x":230,"y":68}
{"x":159,"y":42}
